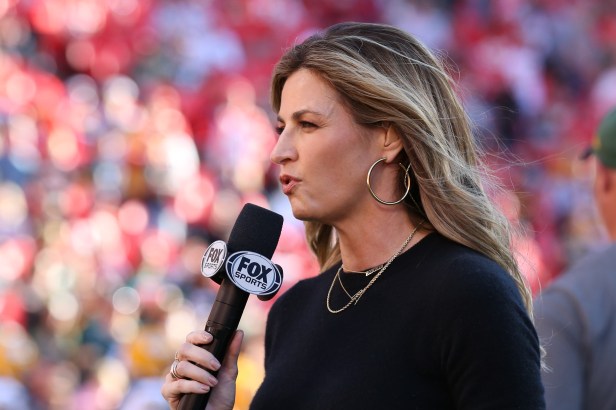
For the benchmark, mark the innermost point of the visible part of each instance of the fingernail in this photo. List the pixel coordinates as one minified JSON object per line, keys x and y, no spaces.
{"x":215,"y":365}
{"x":205,"y":388}
{"x":213,"y":381}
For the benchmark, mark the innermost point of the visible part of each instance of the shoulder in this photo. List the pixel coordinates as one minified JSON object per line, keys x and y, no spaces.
{"x":592,"y":275}
{"x":446,"y":253}
{"x":587,"y":288}
{"x":463,"y":274}
{"x":482,"y":328}
{"x":591,"y":268}
{"x":461,"y":286}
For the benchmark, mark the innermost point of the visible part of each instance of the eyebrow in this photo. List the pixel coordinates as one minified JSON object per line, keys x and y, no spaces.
{"x":296,"y":115}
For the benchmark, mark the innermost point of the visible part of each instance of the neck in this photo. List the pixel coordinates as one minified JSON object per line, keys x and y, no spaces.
{"x":373,"y":240}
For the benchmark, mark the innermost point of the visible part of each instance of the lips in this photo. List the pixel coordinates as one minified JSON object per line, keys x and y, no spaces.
{"x":288,"y":183}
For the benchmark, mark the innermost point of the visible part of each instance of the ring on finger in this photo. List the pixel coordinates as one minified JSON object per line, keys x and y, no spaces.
{"x":174,"y":369}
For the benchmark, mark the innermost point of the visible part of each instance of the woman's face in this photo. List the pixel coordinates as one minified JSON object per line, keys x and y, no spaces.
{"x":324,"y":155}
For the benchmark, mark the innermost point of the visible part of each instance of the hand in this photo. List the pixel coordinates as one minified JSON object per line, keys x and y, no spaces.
{"x":195,"y":379}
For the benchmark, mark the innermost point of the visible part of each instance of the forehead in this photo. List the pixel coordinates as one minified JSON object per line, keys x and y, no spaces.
{"x":305,"y":90}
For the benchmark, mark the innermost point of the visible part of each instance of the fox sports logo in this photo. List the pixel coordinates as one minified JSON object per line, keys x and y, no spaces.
{"x":253,"y":273}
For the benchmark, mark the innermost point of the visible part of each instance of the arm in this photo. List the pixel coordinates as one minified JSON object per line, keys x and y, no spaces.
{"x":198,"y":380}
{"x":561,"y":332}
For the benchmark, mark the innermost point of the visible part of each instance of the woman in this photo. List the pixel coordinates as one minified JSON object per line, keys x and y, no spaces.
{"x":421,"y":304}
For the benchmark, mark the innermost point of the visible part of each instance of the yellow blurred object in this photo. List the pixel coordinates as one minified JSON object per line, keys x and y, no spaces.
{"x":148,"y":353}
{"x":17,"y":350}
{"x":248,"y":381}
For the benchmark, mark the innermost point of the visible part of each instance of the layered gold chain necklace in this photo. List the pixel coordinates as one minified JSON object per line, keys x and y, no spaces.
{"x":355,"y":298}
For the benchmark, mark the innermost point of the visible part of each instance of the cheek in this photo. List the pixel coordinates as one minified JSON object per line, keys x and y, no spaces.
{"x":341,"y":169}
{"x":338,"y":163}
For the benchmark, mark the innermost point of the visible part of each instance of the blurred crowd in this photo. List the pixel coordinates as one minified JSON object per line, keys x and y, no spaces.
{"x":133,"y":131}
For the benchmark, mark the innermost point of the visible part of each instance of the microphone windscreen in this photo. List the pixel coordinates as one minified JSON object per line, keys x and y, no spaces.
{"x":256,"y":230}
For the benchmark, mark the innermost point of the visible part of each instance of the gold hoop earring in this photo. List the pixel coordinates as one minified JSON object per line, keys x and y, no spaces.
{"x":407,"y":181}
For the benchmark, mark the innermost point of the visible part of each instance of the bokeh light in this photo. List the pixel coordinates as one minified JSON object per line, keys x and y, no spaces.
{"x":126,"y":300}
{"x":13,"y":206}
{"x":63,"y":306}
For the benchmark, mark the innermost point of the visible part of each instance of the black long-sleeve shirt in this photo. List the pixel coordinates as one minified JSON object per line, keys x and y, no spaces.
{"x":443,"y":327}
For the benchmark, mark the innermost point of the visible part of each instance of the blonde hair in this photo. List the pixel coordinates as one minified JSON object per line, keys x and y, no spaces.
{"x":387,"y":77}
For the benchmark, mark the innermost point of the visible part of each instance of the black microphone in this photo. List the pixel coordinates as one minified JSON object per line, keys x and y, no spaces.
{"x":256,"y":231}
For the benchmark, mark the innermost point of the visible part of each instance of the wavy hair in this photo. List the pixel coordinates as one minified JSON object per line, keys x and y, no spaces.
{"x":387,"y":77}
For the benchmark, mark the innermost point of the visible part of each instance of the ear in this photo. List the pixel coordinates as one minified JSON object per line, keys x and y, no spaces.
{"x":392,"y":144}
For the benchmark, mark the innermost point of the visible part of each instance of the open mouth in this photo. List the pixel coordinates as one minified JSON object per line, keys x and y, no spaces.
{"x":288,"y":183}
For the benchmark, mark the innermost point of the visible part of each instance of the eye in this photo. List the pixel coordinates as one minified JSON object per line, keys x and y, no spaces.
{"x":279,"y":129}
{"x":306,"y":124}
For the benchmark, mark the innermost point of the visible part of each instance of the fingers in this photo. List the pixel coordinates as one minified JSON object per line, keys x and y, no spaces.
{"x":180,"y":386}
{"x":188,"y":370}
{"x":193,"y":364}
{"x":192,"y":351}
{"x":173,"y":389}
{"x":223,"y":396}
{"x":199,"y":337}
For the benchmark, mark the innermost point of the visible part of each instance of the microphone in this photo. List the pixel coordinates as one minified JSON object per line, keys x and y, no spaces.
{"x":252,"y":242}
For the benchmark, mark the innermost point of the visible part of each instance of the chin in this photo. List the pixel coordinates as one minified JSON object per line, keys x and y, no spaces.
{"x":301,"y":215}
{"x":312,"y":215}
{"x":302,"y":212}
{"x":323,"y":211}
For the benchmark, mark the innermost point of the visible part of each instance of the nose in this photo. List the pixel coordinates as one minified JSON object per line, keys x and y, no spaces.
{"x":284,"y":150}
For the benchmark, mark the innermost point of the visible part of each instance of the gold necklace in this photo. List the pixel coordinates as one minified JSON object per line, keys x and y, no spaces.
{"x":366,"y":272}
{"x":355,"y":298}
{"x":343,"y":288}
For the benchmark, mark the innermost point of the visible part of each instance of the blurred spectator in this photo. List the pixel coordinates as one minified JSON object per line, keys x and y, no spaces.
{"x":576,"y":314}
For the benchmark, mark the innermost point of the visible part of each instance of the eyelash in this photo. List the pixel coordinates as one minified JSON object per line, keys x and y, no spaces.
{"x":303,"y":124}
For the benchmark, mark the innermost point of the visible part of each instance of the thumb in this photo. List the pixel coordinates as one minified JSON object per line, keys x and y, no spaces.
{"x":229,"y":364}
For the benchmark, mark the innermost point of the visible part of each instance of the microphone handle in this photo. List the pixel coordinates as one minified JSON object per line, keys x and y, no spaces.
{"x":221,"y":324}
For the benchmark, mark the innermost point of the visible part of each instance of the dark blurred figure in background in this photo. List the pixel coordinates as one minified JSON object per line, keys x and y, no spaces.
{"x":576,"y":315}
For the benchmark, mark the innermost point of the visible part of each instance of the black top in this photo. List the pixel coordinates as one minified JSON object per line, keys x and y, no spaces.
{"x":444,"y":327}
